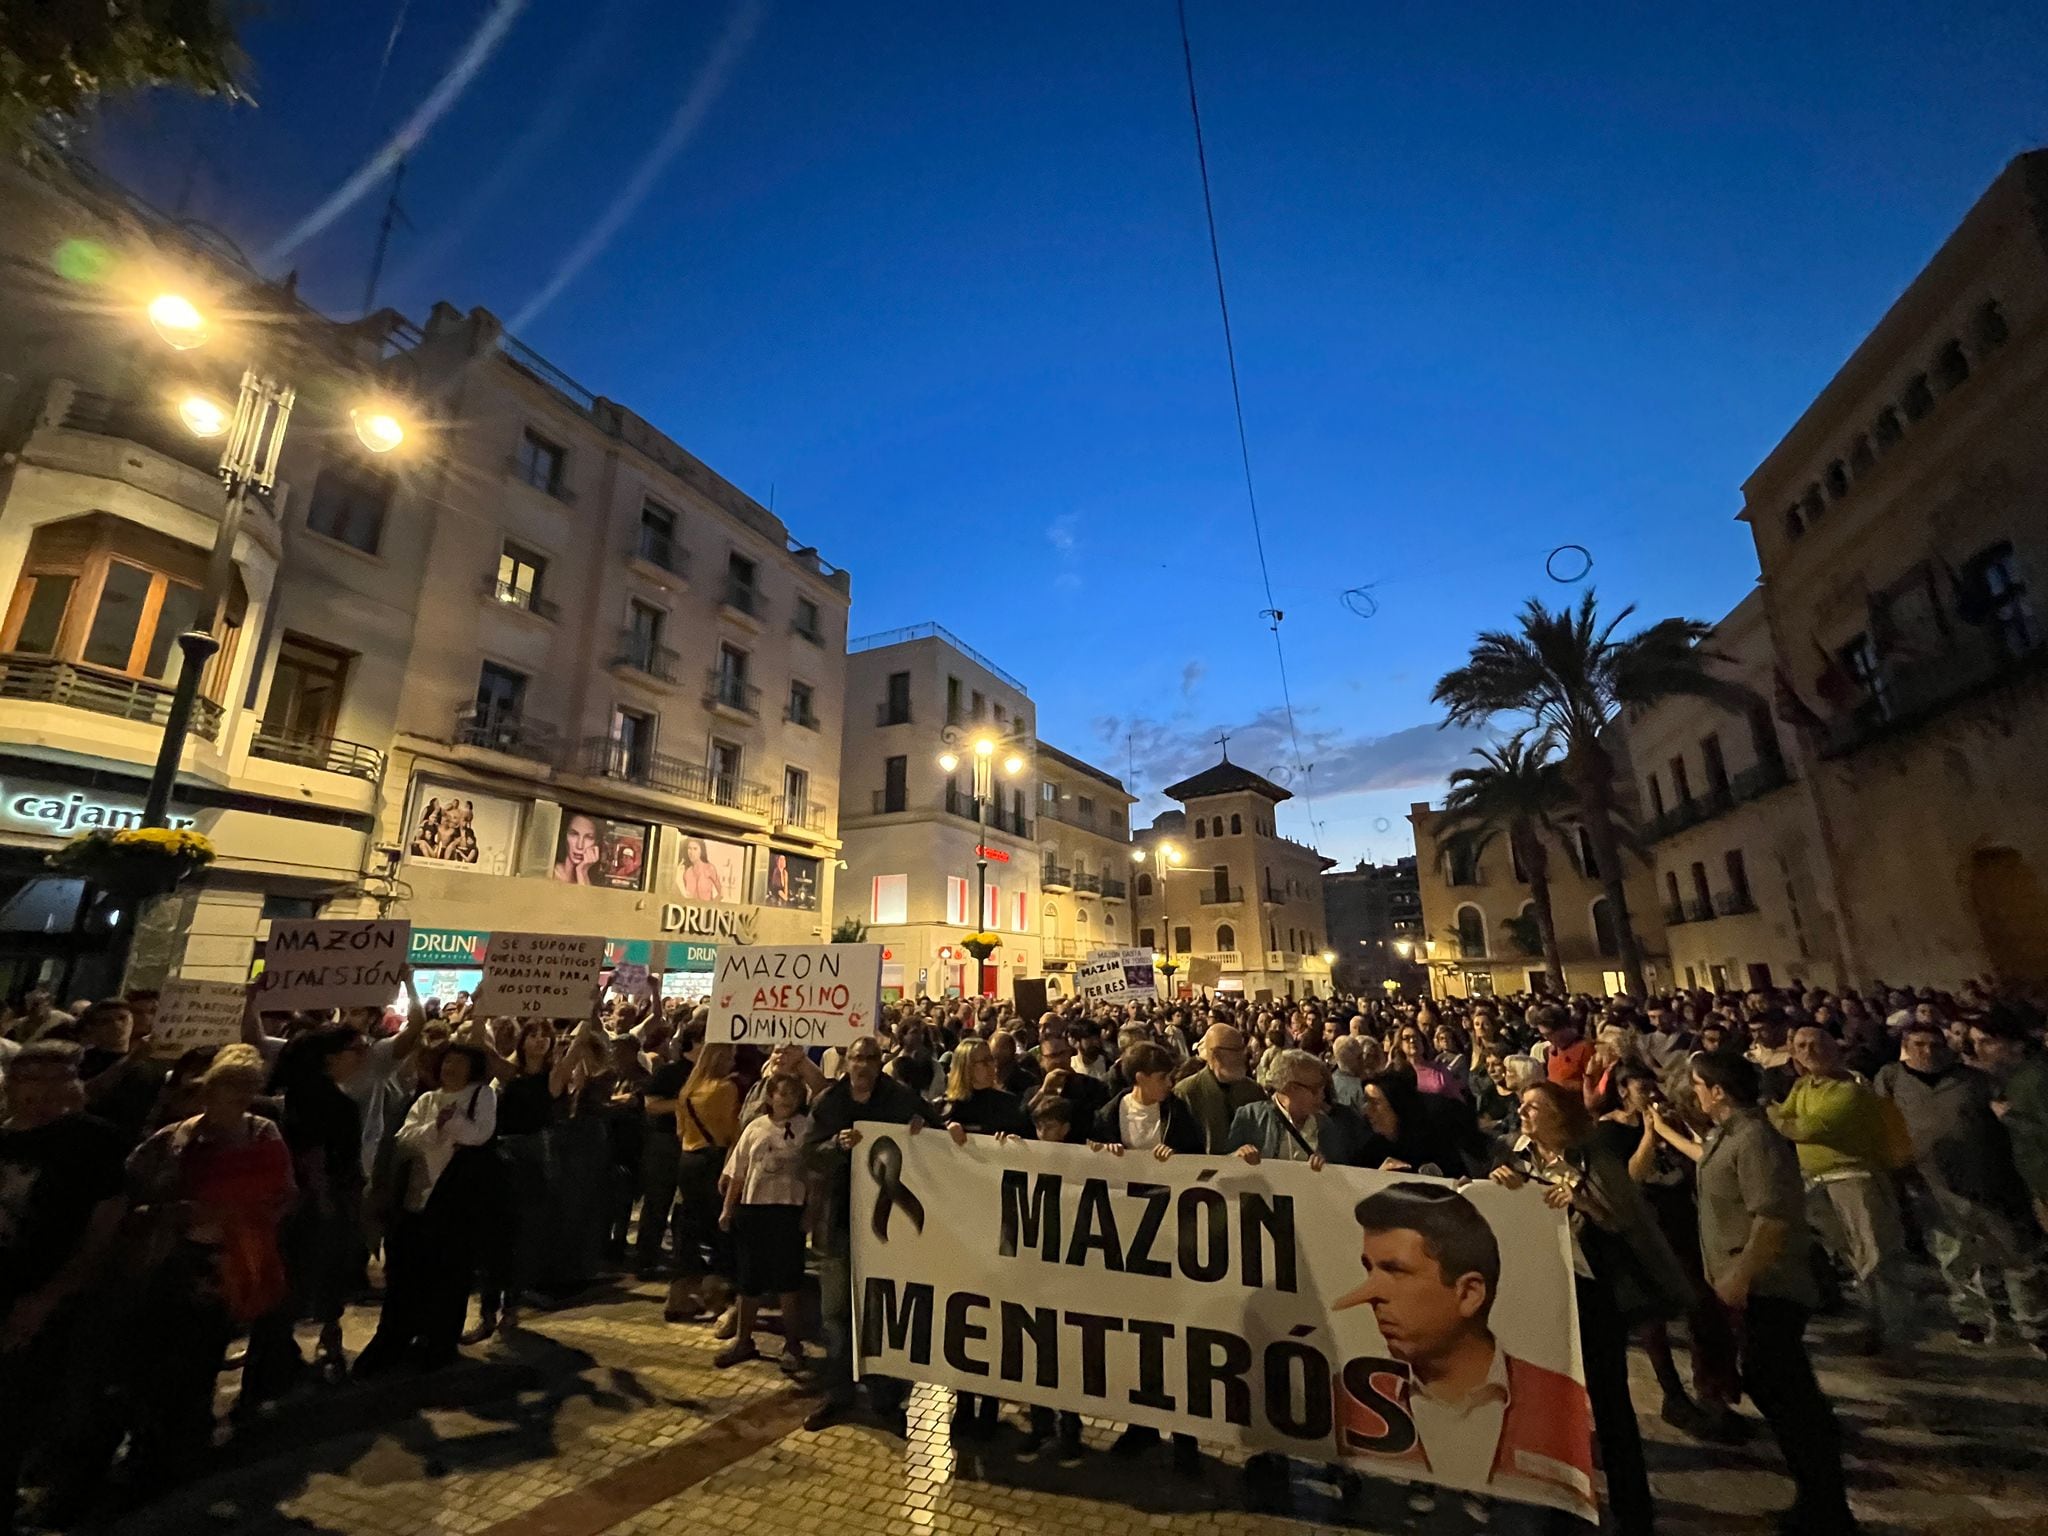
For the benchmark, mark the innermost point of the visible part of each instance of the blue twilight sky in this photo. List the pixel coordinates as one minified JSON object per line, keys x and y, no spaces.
{"x":935,"y":277}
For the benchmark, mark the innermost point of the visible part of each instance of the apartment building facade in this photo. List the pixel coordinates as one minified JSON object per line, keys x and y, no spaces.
{"x":1084,"y":835}
{"x":623,"y":708}
{"x":538,"y":668}
{"x":918,"y":841}
{"x":1241,"y":910}
{"x":1743,"y":877}
{"x":1479,"y":932}
{"x":110,"y":505}
{"x":1901,"y":527}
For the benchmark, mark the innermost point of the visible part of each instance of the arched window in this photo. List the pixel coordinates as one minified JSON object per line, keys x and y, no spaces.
{"x":1226,"y":936}
{"x":1051,"y":921}
{"x":1199,"y":825}
{"x":1795,"y":525}
{"x":1236,"y":823}
{"x":1471,"y":933}
{"x":1606,"y":937}
{"x":1081,"y":917}
{"x":1144,"y":885}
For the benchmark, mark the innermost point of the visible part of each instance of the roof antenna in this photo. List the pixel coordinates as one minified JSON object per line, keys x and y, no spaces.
{"x":393,"y":215}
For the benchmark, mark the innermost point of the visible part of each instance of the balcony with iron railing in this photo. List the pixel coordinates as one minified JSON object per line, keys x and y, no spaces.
{"x":1056,"y":877}
{"x":139,"y":442}
{"x":33,"y":679}
{"x":603,"y":758}
{"x":1752,"y":783}
{"x":960,"y":803}
{"x":731,"y":694}
{"x":1087,"y":885}
{"x":1674,"y":914}
{"x":887,"y":714}
{"x":507,"y":595}
{"x":661,"y":552}
{"x":641,"y":652}
{"x":1222,"y":896}
{"x":326,"y":753}
{"x":1733,"y":903}
{"x":1114,"y":889}
{"x":1699,"y":910}
{"x":505,"y":730}
{"x":1909,"y":690}
{"x":803,"y":815}
{"x":801,"y":714}
{"x":742,"y":599}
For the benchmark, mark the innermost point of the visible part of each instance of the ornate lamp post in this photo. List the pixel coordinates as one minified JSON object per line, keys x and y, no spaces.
{"x":1162,"y":856}
{"x":254,"y":430}
{"x":982,"y":749}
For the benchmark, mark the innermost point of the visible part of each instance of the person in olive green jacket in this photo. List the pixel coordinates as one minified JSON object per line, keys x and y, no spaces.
{"x":1839,"y":1126}
{"x":1221,"y":1088}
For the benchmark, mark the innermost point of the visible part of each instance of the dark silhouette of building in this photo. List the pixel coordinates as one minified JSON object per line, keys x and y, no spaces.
{"x":1374,"y":910}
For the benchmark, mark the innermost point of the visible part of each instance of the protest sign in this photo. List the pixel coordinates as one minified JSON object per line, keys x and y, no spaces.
{"x":1117,"y":976}
{"x":808,"y":994}
{"x":629,"y":978}
{"x":309,"y":963}
{"x":192,"y":1015}
{"x":541,"y":975}
{"x":1269,"y":1308}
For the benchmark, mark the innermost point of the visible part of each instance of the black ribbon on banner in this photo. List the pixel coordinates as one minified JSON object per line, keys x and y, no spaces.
{"x":885,"y":1166}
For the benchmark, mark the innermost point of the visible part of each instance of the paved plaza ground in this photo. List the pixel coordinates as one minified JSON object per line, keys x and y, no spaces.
{"x":600,"y":1417}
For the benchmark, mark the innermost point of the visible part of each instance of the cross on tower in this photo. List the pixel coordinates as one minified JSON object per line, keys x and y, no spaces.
{"x":1223,"y":740}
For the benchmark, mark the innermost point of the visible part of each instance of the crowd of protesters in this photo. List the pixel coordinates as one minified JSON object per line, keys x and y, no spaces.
{"x":1729,"y":1164}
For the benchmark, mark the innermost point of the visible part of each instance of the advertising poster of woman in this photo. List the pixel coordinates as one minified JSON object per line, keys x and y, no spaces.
{"x":711,"y":870}
{"x":592,"y":850}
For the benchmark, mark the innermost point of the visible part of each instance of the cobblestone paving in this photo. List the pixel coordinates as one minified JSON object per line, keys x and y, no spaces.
{"x":635,"y":1432}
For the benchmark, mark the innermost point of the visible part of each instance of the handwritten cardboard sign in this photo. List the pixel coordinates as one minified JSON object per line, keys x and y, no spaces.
{"x":1117,"y":976}
{"x":323,"y":963}
{"x":192,"y":1014}
{"x":802,"y":994}
{"x":541,"y":975}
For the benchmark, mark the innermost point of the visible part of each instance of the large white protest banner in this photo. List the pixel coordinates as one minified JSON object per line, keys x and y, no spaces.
{"x":541,"y":975}
{"x":805,"y":994}
{"x":1271,"y":1308}
{"x":322,"y":963}
{"x":1117,"y":976}
{"x":192,"y":1014}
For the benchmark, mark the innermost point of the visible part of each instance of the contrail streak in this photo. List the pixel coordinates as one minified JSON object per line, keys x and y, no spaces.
{"x":482,"y":44}
{"x":688,"y":118}
{"x":564,"y":93}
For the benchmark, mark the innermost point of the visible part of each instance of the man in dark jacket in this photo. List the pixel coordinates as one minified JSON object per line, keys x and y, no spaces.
{"x":1974,"y":1205}
{"x":864,"y":1093}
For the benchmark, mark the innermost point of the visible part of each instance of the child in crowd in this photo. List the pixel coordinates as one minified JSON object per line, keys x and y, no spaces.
{"x":765,"y":1196}
{"x":1052,"y":1116}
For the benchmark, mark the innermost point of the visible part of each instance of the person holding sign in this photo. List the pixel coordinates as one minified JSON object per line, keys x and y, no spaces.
{"x":864,"y":1093}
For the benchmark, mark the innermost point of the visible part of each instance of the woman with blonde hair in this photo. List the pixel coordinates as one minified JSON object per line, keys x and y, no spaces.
{"x":707,"y":1124}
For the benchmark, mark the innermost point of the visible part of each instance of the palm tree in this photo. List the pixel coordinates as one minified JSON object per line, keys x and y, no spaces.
{"x":1567,"y":672}
{"x":1517,"y":793}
